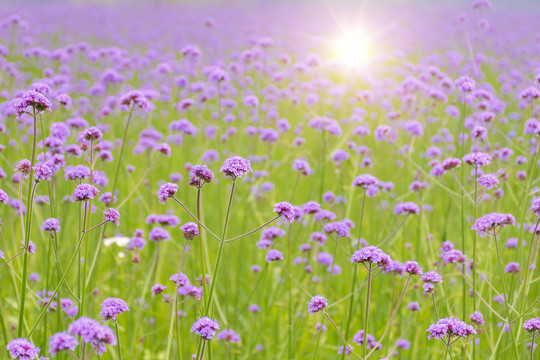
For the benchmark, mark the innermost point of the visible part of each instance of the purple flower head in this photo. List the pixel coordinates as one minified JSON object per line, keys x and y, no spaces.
{"x":4,"y":198}
{"x":112,"y":307}
{"x":166,"y":191}
{"x":512,"y":268}
{"x":163,"y":148}
{"x":372,"y":255}
{"x":316,"y":304}
{"x":180,"y":279}
{"x":251,"y":101}
{"x":477,"y":318}
{"x":311,"y":207}
{"x":159,"y":234}
{"x":236,"y":167}
{"x":84,"y":327}
{"x":84,"y":192}
{"x":428,"y":288}
{"x":22,"y":349}
{"x":23,"y":167}
{"x":135,"y":98}
{"x":157,"y":289}
{"x":365,"y":181}
{"x":190,"y":230}
{"x":112,"y":215}
{"x":489,"y":181}
{"x":431,"y":277}
{"x":532,"y":325}
{"x":90,"y":134}
{"x":285,"y":210}
{"x":229,"y":335}
{"x":32,"y":98}
{"x":200,"y":174}
{"x":414,"y":306}
{"x":403,"y":344}
{"x":490,"y":222}
{"x":51,"y":224}
{"x":325,"y":215}
{"x":302,"y":166}
{"x":274,"y":255}
{"x":465,"y":84}
{"x":205,"y":327}
{"x":64,"y":99}
{"x":340,"y":228}
{"x":325,"y":258}
{"x":406,"y":208}
{"x":370,"y":340}
{"x":453,"y":256}
{"x":42,"y":173}
{"x":535,"y":206}
{"x":412,"y":268}
{"x":347,"y":349}
{"x":477,"y":159}
{"x":62,"y":341}
{"x":450,"y":163}
{"x":31,"y":246}
{"x":395,"y":267}
{"x":450,"y":326}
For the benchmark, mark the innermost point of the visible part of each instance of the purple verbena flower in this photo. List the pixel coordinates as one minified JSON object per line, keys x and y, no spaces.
{"x":274,"y":255}
{"x":112,"y":307}
{"x":229,"y":335}
{"x":84,"y":192}
{"x":412,"y":268}
{"x":51,"y":224}
{"x":190,"y":230}
{"x":22,"y":349}
{"x":166,"y":191}
{"x":236,"y":167}
{"x":62,"y":341}
{"x":285,"y":210}
{"x":112,"y":215}
{"x":205,"y":327}
{"x":316,"y":304}
{"x":372,"y":255}
{"x":489,"y":222}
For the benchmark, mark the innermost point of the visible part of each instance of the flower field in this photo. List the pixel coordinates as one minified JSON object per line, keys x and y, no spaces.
{"x":269,"y":181}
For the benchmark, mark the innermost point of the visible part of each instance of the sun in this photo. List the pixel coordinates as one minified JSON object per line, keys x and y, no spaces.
{"x":353,"y":48}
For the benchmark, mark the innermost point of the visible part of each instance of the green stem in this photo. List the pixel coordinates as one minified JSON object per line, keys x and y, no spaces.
{"x":118,"y":347}
{"x":252,"y":231}
{"x":87,"y":237}
{"x":505,"y":293}
{"x":201,"y":249}
{"x":355,"y":273}
{"x":27,"y":234}
{"x":532,"y":346}
{"x":220,"y":250}
{"x":290,"y":295}
{"x":345,"y":345}
{"x":391,"y":318}
{"x":121,"y":151}
{"x":464,"y":286}
{"x":175,"y":307}
{"x":366,"y":319}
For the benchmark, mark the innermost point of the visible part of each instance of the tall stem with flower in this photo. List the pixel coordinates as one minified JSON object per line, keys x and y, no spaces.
{"x":38,"y":103}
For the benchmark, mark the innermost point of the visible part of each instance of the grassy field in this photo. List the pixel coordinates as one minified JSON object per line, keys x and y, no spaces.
{"x":137,"y":99}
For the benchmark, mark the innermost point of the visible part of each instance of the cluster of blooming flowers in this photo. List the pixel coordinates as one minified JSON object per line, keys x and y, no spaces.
{"x":184,"y":286}
{"x":490,"y":223}
{"x":446,"y":328}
